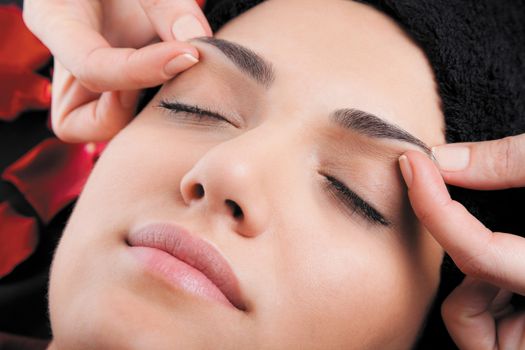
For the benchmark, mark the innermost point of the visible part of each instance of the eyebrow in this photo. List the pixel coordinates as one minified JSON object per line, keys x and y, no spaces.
{"x":371,"y":125}
{"x":357,"y":120}
{"x":245,"y":59}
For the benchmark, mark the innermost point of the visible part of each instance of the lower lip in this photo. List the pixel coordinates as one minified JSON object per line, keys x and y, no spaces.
{"x":179,"y":274}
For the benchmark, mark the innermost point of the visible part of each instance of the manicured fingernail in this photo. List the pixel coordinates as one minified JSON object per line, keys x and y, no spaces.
{"x":180,"y":63}
{"x":452,"y":157}
{"x":187,"y":27}
{"x":406,"y":170}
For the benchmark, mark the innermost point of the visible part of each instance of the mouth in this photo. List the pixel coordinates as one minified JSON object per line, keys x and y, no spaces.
{"x":186,"y":261}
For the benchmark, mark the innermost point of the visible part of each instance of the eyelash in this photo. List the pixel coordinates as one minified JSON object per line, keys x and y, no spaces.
{"x":353,"y":202}
{"x":194,"y":112}
{"x":343,"y":194}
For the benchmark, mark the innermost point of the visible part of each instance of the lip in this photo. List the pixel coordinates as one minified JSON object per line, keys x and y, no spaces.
{"x":186,"y":261}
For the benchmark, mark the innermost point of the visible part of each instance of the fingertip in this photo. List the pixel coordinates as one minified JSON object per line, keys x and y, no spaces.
{"x":181,"y":47}
{"x":180,"y":64}
{"x":406,"y":169}
{"x":452,"y":158}
{"x":423,"y":167}
{"x":188,"y":27}
{"x":412,"y":164}
{"x":426,"y":187}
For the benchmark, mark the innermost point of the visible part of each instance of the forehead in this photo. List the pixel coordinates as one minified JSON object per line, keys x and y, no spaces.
{"x":331,"y":54}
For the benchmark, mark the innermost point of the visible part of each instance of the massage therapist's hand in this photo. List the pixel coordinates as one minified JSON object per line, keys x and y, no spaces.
{"x":478,"y":314}
{"x":105,"y":51}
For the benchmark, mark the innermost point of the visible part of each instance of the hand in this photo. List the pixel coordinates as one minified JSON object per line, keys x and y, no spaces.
{"x":105,"y":50}
{"x":478,"y":313}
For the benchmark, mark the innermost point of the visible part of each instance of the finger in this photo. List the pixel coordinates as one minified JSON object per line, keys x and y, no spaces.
{"x":79,"y":115}
{"x":181,"y":20}
{"x":511,"y":330}
{"x":97,"y":120}
{"x":102,"y":68}
{"x":485,"y":165}
{"x":108,"y":69}
{"x":494,"y":257}
{"x":467,"y":315}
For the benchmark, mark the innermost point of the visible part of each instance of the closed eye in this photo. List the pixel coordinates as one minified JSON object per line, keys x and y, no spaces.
{"x":194,"y":113}
{"x":353,"y":202}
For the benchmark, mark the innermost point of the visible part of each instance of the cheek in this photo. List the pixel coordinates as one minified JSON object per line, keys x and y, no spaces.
{"x":140,"y":170}
{"x":353,"y":282}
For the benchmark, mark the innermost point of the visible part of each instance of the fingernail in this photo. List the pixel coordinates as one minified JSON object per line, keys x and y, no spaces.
{"x":406,"y":170}
{"x":180,"y":63}
{"x":187,"y":27}
{"x":452,"y":158}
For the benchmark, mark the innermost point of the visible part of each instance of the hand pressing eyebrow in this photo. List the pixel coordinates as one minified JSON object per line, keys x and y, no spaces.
{"x":249,"y":62}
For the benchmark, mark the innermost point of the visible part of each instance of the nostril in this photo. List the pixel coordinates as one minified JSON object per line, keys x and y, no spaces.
{"x":236,"y":210}
{"x":197,"y":191}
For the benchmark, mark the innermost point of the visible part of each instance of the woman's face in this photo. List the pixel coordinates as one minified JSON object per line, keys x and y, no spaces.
{"x":289,"y":180}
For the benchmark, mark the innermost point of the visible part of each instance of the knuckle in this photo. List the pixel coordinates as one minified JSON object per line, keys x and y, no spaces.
{"x":148,"y":3}
{"x":448,"y":309}
{"x":151,"y":3}
{"x":504,"y":154}
{"x":88,"y":73}
{"x":472,"y":266}
{"x":60,"y":131}
{"x":58,"y":119}
{"x":476,"y":264}
{"x":424,"y":214}
{"x":85,"y":78}
{"x":169,"y":7}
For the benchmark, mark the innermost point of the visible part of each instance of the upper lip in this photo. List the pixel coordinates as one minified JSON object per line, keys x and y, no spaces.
{"x":193,"y":251}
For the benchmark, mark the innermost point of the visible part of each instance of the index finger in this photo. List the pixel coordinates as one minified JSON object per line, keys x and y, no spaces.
{"x":495,"y":257}
{"x":487,"y":165}
{"x":99,"y":67}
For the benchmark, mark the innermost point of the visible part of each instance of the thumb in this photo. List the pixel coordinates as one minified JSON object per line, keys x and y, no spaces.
{"x":487,"y":165}
{"x":470,"y":313}
{"x":181,"y":20}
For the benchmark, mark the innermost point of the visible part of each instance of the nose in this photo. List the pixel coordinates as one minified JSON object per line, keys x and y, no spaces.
{"x":227,"y":184}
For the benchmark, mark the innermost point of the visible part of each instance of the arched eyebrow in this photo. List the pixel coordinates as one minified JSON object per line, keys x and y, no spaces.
{"x":371,"y":125}
{"x":365,"y":123}
{"x":245,"y":59}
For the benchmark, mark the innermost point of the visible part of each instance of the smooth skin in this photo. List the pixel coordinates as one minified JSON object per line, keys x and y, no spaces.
{"x":105,"y":51}
{"x":314,"y":272}
{"x":478,"y":313}
{"x":492,"y":165}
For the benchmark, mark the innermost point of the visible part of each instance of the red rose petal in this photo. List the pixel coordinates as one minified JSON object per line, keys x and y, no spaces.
{"x":52,"y":175}
{"x":18,"y":237}
{"x":18,"y":46}
{"x":21,"y":90}
{"x":20,"y":54}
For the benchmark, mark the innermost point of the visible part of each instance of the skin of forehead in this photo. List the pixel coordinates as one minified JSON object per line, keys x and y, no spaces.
{"x":260,"y":70}
{"x":362,"y":56}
